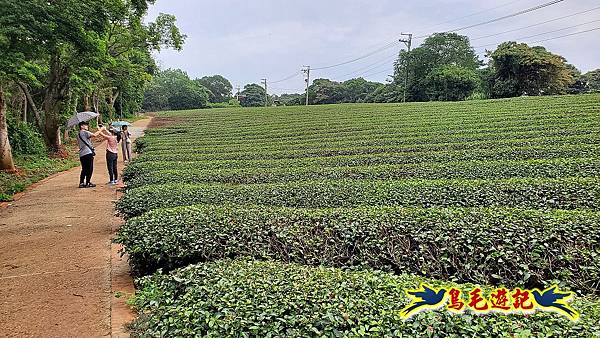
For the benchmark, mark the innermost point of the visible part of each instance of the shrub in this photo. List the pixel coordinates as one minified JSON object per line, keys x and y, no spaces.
{"x":522,"y":193}
{"x":23,"y":138}
{"x":242,"y":298}
{"x":555,"y":168}
{"x":487,"y":246}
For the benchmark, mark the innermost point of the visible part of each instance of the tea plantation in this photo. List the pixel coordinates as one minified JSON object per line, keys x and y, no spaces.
{"x":314,"y":221}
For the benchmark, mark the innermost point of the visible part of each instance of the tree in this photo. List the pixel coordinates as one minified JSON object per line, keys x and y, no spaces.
{"x":438,"y":50}
{"x":592,"y":79}
{"x":579,"y":84}
{"x":173,"y":89}
{"x":219,"y":88}
{"x":325,"y":91}
{"x":357,"y":90}
{"x":523,"y":70}
{"x":6,"y":159}
{"x":253,"y":95}
{"x":451,"y":83}
{"x":388,"y":93}
{"x":290,"y":99}
{"x":77,"y":45}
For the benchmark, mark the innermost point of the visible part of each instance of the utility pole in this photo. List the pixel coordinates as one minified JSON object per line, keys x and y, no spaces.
{"x":408,"y":43}
{"x":237,"y":95}
{"x":266,"y":93}
{"x":306,"y":71}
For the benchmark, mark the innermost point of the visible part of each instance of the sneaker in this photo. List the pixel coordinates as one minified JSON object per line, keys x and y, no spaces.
{"x":116,"y":182}
{"x":81,"y":185}
{"x":90,"y":185}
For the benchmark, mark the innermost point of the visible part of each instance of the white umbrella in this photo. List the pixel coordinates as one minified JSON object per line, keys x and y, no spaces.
{"x":81,"y":117}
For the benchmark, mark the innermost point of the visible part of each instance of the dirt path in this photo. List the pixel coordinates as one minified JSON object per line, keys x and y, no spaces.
{"x":56,"y":276}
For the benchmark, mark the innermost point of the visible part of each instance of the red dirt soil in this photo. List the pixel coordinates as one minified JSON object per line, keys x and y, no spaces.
{"x":59,"y":272}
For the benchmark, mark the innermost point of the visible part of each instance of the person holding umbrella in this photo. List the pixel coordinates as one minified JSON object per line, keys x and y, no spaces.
{"x":86,"y":154}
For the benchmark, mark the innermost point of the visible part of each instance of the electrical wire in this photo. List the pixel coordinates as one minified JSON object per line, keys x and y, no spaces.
{"x":544,"y":33}
{"x":286,"y":78}
{"x":471,"y":15}
{"x":566,"y":35}
{"x":388,"y":46}
{"x":395,"y":43}
{"x":392,"y":44}
{"x":377,"y":73}
{"x":372,"y":66}
{"x":535,"y":24}
{"x":525,"y":11}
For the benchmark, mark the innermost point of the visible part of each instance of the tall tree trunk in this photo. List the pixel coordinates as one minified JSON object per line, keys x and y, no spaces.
{"x":36,"y":113}
{"x":6,"y":160}
{"x":96,"y":104}
{"x":86,"y":103}
{"x":24,"y":116}
{"x":55,"y":100}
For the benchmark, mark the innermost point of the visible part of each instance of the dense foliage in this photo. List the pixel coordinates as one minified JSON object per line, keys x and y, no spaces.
{"x":499,"y":192}
{"x":522,"y":70}
{"x":253,"y":95}
{"x":445,"y":67}
{"x":533,"y":247}
{"x":241,"y":298}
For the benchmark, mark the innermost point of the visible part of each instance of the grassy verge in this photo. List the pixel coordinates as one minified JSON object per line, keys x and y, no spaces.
{"x":31,"y":169}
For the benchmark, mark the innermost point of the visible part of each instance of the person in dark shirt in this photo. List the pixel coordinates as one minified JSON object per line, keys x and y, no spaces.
{"x":86,"y":154}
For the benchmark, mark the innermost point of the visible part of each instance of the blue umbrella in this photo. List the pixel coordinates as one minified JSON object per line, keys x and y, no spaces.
{"x":120,"y":124}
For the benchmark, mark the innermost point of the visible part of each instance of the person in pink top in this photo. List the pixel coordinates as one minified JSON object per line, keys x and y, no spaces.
{"x":112,"y":154}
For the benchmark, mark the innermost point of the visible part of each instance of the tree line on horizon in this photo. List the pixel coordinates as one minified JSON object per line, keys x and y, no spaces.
{"x":446,"y":68}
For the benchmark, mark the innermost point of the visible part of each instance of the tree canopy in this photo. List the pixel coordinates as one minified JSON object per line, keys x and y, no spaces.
{"x":172,"y":89}
{"x":66,"y":49}
{"x":518,"y":69}
{"x":437,"y":51}
{"x":219,"y":88}
{"x":253,"y":95}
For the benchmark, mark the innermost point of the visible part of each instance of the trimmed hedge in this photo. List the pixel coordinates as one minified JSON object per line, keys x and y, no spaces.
{"x":403,"y":156}
{"x":266,"y":299}
{"x":488,"y":246}
{"x":520,"y":193}
{"x":557,"y":168}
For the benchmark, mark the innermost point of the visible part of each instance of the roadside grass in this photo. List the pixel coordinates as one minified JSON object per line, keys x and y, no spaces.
{"x":32,"y":169}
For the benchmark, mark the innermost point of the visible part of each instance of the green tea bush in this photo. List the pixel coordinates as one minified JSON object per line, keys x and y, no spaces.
{"x":520,"y":193}
{"x":556,"y":168}
{"x":239,"y":298}
{"x":488,"y":246}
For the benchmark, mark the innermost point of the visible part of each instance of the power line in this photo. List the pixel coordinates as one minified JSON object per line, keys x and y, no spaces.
{"x":377,"y":73}
{"x":544,"y":33}
{"x":392,"y":44}
{"x":395,"y":43}
{"x":536,"y":24}
{"x":372,"y":66}
{"x":286,"y":78}
{"x":388,"y":46}
{"x":525,"y":11}
{"x":471,"y":15}
{"x":566,"y":35}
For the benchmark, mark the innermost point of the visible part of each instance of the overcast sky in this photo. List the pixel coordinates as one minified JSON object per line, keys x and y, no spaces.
{"x":246,"y":41}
